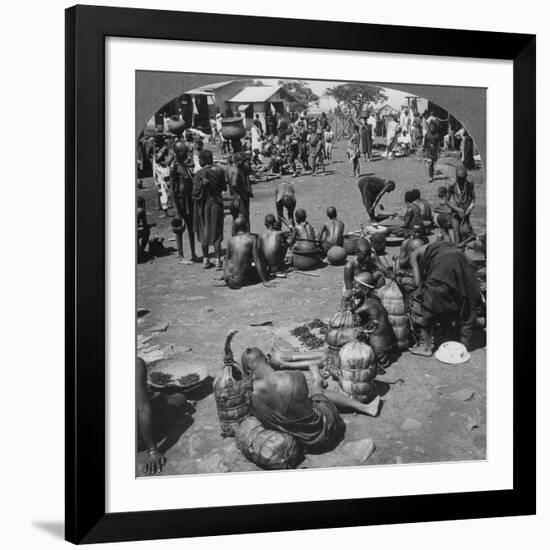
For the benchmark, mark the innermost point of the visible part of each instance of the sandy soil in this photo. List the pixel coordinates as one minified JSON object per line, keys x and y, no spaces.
{"x":437,"y":414}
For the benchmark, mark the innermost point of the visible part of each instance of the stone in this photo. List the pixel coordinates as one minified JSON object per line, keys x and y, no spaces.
{"x":159,"y":328}
{"x":193,"y":444}
{"x":360,"y":450}
{"x":467,"y":394}
{"x":213,"y":464}
{"x":411,"y":424}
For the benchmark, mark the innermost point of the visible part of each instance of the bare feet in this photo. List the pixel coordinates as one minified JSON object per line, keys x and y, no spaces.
{"x":185,"y":261}
{"x":372,"y":408}
{"x":421,"y":350}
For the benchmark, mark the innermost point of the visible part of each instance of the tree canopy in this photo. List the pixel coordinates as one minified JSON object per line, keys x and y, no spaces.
{"x":353,"y":97}
{"x":299,"y":94}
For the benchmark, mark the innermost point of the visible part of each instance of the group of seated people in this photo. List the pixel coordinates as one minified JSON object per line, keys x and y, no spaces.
{"x":451,"y":217}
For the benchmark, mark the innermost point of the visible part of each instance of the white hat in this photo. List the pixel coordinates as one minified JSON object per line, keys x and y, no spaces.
{"x":453,"y":353}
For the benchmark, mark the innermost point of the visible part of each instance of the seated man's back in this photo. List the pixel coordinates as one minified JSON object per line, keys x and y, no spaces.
{"x":286,"y":393}
{"x":273,"y":249}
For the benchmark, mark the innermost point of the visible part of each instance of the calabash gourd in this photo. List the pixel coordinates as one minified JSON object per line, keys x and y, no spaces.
{"x":358,"y":369}
{"x":392,"y":299}
{"x":232,"y":392}
{"x":268,"y":449}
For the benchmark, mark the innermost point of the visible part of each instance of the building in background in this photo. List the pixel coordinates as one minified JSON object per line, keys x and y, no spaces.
{"x":259,"y":100}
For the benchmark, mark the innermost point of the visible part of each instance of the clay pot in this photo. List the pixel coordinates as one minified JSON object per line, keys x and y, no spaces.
{"x":233,"y":128}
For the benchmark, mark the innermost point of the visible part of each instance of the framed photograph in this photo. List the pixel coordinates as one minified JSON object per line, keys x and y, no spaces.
{"x":299,"y":274}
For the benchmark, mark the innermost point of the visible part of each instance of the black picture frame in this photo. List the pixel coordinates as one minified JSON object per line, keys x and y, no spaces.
{"x":86,"y":30}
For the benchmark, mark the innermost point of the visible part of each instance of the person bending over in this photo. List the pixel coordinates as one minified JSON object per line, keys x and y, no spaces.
{"x":332,"y":232}
{"x":448,"y":290}
{"x":285,"y":198}
{"x":280,"y":400}
{"x":243,"y":264}
{"x":372,"y":190}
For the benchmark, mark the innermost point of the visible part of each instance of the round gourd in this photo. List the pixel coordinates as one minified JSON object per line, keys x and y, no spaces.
{"x":336,"y":255}
{"x":268,"y":449}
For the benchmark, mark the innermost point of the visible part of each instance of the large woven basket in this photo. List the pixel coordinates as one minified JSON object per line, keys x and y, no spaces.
{"x":305,"y":261}
{"x":350,"y":243}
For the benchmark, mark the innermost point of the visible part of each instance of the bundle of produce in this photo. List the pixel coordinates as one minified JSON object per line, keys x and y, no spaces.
{"x":392,"y":299}
{"x":343,"y":327}
{"x":268,"y":449}
{"x":231,"y":391}
{"x":358,"y":369}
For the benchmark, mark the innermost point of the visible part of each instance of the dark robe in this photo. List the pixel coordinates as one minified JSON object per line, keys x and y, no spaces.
{"x":208,"y":186}
{"x":319,"y":431}
{"x":450,"y":285}
{"x":364,"y":139}
{"x":469,"y":162}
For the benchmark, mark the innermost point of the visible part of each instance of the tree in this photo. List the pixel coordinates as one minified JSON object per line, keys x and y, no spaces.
{"x":299,"y":94}
{"x":353,"y":97}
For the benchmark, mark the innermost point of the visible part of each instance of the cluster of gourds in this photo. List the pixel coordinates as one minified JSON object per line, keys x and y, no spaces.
{"x":350,"y":360}
{"x":343,"y":327}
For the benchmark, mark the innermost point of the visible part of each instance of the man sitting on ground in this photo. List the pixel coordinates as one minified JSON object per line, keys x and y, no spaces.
{"x":332,"y":232}
{"x":364,"y":262}
{"x":273,"y":246}
{"x":412,"y":220}
{"x":243,"y":250}
{"x":423,"y":205}
{"x":280,"y":400}
{"x":302,"y":237}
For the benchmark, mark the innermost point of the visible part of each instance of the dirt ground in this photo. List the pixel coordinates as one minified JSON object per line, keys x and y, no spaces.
{"x":437,"y":414}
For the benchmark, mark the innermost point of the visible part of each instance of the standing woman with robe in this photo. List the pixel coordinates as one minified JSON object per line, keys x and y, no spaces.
{"x":208,"y":185}
{"x":469,"y":162}
{"x":353,"y":150}
{"x":364,"y":139}
{"x":241,"y":189}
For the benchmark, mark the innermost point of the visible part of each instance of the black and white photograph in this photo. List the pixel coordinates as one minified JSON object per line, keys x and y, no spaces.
{"x":310,"y":274}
